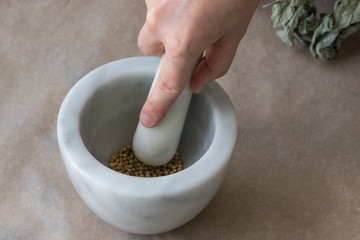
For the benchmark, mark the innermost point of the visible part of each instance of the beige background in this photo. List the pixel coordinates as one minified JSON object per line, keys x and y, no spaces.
{"x":295,"y":173}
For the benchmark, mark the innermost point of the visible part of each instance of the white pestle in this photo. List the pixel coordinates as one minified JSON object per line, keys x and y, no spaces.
{"x":156,"y":146}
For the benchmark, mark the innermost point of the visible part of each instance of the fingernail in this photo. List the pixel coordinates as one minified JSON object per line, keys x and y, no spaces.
{"x":197,"y":90}
{"x":146,"y":120}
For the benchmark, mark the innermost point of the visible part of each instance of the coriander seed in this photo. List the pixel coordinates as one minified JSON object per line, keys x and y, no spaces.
{"x":126,"y":162}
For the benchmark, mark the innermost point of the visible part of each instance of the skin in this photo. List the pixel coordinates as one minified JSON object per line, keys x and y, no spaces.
{"x":184,"y":29}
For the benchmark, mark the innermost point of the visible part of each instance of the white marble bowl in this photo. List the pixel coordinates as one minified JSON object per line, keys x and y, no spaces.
{"x":99,"y":116}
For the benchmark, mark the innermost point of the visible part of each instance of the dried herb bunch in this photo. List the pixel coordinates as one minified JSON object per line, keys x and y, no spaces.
{"x":324,"y":35}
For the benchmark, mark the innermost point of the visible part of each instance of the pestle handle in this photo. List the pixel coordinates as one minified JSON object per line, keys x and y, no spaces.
{"x":156,"y":146}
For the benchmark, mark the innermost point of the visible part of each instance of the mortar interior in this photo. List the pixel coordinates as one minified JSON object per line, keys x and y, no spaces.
{"x":109,"y":118}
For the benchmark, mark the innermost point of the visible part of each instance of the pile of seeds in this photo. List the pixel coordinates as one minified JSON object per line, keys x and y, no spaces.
{"x":126,"y":162}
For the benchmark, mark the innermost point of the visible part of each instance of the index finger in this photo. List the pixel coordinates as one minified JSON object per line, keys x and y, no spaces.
{"x":173,"y":76}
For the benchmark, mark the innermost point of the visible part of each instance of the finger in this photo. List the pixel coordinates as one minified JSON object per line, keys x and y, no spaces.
{"x":216,"y":62}
{"x":173,"y":76}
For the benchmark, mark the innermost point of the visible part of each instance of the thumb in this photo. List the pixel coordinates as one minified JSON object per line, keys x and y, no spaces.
{"x":216,"y":62}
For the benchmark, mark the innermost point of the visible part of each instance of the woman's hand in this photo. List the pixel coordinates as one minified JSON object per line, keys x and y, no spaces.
{"x":184,"y":29}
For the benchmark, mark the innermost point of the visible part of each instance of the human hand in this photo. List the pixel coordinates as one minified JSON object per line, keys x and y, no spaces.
{"x":184,"y":29}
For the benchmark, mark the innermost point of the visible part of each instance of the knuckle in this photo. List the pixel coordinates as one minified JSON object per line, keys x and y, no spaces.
{"x":150,"y":23}
{"x":152,"y":19}
{"x":217,"y":71}
{"x":144,"y":48}
{"x":179,"y":44}
{"x":149,"y":45}
{"x":151,"y":107}
{"x":220,"y":72}
{"x":169,"y":87}
{"x":177,"y":47}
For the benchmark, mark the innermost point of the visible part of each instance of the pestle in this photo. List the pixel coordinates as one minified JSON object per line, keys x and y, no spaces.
{"x":156,"y":146}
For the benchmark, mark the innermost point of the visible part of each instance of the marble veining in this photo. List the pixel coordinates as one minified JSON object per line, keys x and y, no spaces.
{"x":100,"y":114}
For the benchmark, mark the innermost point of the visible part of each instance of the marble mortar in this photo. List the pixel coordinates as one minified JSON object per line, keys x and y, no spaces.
{"x":99,"y":115}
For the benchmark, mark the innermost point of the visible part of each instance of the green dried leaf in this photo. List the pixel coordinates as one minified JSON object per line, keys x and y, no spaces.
{"x":346,"y":13}
{"x":335,"y":27}
{"x":290,"y":14}
{"x":327,"y":53}
{"x":303,"y":27}
{"x":345,"y":33}
{"x":300,"y":38}
{"x":337,"y":2}
{"x":287,"y":34}
{"x":298,"y":19}
{"x":304,"y":39}
{"x":281,"y":13}
{"x":320,"y":40}
{"x":283,"y":10}
{"x":308,"y":24}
